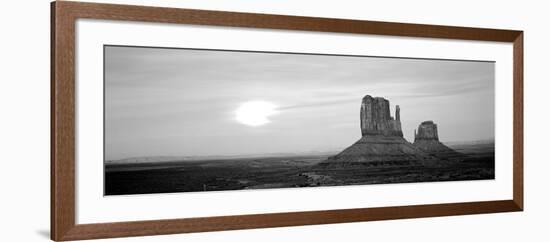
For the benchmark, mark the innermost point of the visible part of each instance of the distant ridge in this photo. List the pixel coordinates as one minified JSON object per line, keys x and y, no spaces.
{"x":469,"y":142}
{"x":158,"y":159}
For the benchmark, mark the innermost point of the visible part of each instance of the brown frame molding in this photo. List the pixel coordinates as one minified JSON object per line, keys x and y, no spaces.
{"x":63,"y":17}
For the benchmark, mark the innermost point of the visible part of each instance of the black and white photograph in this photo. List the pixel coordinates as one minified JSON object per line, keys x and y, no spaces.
{"x":199,"y":120}
{"x":240,"y":121}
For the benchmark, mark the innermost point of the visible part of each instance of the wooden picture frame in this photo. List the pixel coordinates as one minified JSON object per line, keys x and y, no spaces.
{"x":63,"y":17}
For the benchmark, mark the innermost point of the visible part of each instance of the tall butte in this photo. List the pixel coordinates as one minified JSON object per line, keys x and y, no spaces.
{"x":381,"y":141}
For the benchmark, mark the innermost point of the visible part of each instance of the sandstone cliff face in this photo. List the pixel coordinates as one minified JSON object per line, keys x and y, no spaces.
{"x":427,"y":130}
{"x":427,"y":140}
{"x":376,"y":119}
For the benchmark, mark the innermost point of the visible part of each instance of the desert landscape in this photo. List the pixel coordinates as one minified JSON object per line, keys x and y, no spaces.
{"x":285,"y":172}
{"x":380,"y":156}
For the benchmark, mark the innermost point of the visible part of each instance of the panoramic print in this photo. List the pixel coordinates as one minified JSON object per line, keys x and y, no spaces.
{"x":197,"y":120}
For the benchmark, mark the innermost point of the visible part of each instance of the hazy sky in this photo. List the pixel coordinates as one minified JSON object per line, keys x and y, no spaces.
{"x":172,"y":102}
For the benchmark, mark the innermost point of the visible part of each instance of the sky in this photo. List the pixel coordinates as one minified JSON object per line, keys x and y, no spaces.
{"x":184,"y":102}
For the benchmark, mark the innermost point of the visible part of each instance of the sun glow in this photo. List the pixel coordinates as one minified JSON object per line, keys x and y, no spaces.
{"x":255,"y":113}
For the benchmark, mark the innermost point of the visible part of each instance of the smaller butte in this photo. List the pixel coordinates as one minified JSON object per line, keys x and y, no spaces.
{"x":427,"y":140}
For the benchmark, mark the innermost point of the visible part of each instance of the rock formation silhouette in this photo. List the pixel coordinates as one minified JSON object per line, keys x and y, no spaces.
{"x":427,"y":140}
{"x":382,"y":141}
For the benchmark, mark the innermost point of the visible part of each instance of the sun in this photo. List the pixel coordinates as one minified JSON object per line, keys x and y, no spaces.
{"x":255,"y":113}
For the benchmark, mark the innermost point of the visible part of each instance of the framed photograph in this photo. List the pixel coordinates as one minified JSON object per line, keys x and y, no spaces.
{"x":172,"y":120}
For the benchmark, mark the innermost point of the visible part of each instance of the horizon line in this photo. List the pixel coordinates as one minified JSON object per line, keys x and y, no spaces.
{"x":274,"y":154}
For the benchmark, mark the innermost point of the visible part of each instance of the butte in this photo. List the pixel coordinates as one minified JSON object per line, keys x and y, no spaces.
{"x":381,"y":141}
